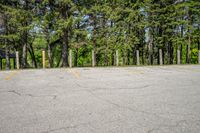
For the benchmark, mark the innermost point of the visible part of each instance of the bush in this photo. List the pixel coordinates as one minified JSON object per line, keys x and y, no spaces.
{"x":194,"y":56}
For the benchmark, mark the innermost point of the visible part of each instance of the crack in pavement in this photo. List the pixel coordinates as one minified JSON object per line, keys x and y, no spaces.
{"x":58,"y":129}
{"x":178,"y":123}
{"x":118,"y":105}
{"x":134,"y":88}
{"x":67,"y":127}
{"x":91,"y":91}
{"x":30,"y":95}
{"x":152,"y":130}
{"x":124,"y":107}
{"x":125,"y":88}
{"x":78,"y":125}
{"x":15,"y":92}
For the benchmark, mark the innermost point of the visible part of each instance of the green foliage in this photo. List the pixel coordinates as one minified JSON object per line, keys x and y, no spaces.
{"x":194,"y":56}
{"x":101,"y":25}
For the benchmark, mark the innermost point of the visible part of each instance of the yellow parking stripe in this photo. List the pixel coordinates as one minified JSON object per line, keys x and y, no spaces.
{"x":187,"y":69}
{"x":135,"y":72}
{"x":12,"y":74}
{"x":75,"y":73}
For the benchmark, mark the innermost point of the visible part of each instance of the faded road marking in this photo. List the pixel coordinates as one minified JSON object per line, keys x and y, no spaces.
{"x":135,"y":72}
{"x":12,"y":74}
{"x":75,"y":73}
{"x":187,"y":69}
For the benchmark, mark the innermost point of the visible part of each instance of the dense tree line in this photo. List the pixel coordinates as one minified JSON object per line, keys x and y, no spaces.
{"x":28,"y":26}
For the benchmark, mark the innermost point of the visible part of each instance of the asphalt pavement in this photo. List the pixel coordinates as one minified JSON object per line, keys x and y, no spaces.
{"x":153,"y":99}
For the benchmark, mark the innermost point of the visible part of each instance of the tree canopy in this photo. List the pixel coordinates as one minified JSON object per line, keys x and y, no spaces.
{"x":29,"y":26}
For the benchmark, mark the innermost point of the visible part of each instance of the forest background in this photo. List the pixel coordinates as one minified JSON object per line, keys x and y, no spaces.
{"x":56,"y":26}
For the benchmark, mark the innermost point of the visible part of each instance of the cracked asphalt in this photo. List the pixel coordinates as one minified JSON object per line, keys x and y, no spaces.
{"x":158,"y":99}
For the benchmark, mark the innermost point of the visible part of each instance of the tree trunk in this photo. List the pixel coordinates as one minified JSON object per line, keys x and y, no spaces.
{"x":106,"y":57}
{"x":134,"y":55}
{"x":76,"y":58}
{"x":163,"y":56}
{"x":59,"y":63}
{"x":7,"y":58}
{"x":65,"y":49}
{"x":0,"y":63}
{"x":123,"y":57}
{"x":25,"y":39}
{"x":188,"y":51}
{"x":31,"y":51}
{"x":95,"y":61}
{"x":181,"y":53}
{"x":158,"y":56}
{"x":150,"y":53}
{"x":65,"y":14}
{"x":76,"y":49}
{"x":168,"y":53}
{"x":50,"y":56}
{"x":24,"y":56}
{"x":172,"y":55}
{"x":128,"y":57}
{"x":113,"y":58}
{"x":143,"y":54}
{"x":7,"y":54}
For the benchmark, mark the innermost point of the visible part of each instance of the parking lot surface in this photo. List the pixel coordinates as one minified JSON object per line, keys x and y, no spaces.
{"x":157,"y":99}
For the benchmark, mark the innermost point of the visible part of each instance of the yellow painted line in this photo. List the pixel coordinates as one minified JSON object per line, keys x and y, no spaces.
{"x":188,"y":69}
{"x":194,"y":70}
{"x":75,"y":73}
{"x":135,"y":72}
{"x":12,"y":74}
